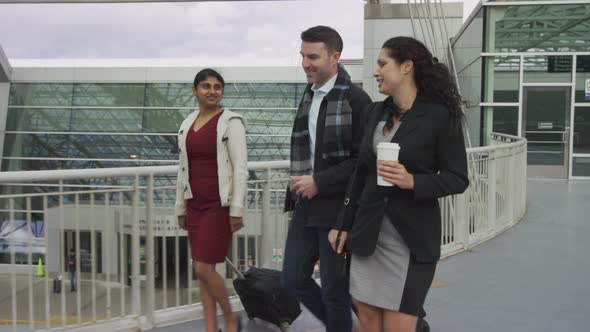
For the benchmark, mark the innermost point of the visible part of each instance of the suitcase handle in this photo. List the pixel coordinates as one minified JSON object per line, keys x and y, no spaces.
{"x":234,"y":268}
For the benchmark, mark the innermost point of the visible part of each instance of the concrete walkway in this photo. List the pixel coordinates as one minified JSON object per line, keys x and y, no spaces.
{"x":535,"y":277}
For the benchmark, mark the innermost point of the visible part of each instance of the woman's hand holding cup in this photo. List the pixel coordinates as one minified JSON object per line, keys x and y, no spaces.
{"x":396,"y":174}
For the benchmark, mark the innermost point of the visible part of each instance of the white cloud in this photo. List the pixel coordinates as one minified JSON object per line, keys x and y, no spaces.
{"x":245,"y":30}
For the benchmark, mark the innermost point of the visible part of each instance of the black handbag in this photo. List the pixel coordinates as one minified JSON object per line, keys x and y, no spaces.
{"x":343,"y":258}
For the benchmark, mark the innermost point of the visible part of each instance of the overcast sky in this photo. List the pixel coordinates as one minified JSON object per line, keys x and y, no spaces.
{"x":213,"y":33}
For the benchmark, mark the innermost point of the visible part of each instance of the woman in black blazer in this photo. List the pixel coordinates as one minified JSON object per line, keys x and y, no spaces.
{"x":394,"y":233}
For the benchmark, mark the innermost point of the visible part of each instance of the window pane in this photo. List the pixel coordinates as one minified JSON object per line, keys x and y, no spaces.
{"x":124,"y":147}
{"x":506,"y":120}
{"x":556,"y":28}
{"x":170,"y":95}
{"x":36,"y":145}
{"x":548,"y":69}
{"x":122,"y":95}
{"x":40,"y":94}
{"x":582,"y":130}
{"x":269,"y":121}
{"x":503,"y":79}
{"x":237,"y":95}
{"x":37,"y":165}
{"x":108,"y":120}
{"x":582,"y":78}
{"x":92,"y":146}
{"x":38,"y":119}
{"x":164,"y":121}
{"x":545,"y":109}
{"x":581,"y":166}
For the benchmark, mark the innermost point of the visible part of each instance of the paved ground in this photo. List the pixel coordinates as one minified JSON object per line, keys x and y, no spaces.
{"x":535,"y":277}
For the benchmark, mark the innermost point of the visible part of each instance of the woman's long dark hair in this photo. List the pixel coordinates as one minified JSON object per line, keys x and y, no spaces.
{"x":433,"y":79}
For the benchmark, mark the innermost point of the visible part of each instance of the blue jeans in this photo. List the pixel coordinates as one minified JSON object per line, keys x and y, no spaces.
{"x":305,"y":245}
{"x":73,"y":281}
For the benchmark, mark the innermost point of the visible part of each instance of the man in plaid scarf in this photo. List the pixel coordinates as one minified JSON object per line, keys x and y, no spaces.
{"x":327,"y":132}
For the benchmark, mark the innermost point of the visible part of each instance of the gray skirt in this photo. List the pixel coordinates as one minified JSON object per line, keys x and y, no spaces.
{"x":390,"y":278}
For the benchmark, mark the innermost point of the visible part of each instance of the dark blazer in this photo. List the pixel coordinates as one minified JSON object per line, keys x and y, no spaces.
{"x":331,"y":174}
{"x":437,"y":160}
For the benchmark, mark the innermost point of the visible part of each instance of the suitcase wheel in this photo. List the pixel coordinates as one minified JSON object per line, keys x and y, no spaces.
{"x":284,"y":326}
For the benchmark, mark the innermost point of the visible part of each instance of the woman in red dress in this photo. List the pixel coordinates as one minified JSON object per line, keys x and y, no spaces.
{"x":211,"y":187}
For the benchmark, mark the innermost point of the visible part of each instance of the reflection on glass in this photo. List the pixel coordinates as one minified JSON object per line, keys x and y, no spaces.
{"x":583,"y":79}
{"x":548,"y":69}
{"x":38,"y":119}
{"x":169,"y":95}
{"x":545,"y":128}
{"x":505,"y":120}
{"x":129,"y":108}
{"x":40,"y":94}
{"x":581,"y":166}
{"x":547,"y":27}
{"x":581,"y":129}
{"x":107,"y":120}
{"x":503,"y":79}
{"x":262,"y":95}
{"x":91,"y":146}
{"x":164,"y":120}
{"x":119,"y":94}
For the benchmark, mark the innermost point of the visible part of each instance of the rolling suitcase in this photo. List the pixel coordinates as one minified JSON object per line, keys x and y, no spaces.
{"x":57,"y":285}
{"x":263,"y":297}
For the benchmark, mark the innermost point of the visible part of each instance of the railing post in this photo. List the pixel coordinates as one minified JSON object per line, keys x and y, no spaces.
{"x":462,"y":224}
{"x":135,"y":291}
{"x":491,"y":191}
{"x":265,"y":213}
{"x":511,"y":185}
{"x":150,"y":252}
{"x":524,"y":179}
{"x":62,"y":264}
{"x":12,"y":242}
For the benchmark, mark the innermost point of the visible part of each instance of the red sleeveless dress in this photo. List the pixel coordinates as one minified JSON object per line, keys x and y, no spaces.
{"x":208,"y":223}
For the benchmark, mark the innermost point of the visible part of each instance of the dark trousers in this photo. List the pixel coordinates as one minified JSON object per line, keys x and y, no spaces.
{"x":305,"y":245}
{"x":73,"y":285}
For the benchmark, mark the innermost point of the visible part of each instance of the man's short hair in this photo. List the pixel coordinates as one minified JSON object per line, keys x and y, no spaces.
{"x":323,"y":34}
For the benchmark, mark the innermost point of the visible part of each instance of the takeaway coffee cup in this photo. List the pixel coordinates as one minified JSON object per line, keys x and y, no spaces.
{"x":386,"y":152}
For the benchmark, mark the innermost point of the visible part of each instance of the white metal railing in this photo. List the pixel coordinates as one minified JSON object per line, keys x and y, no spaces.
{"x":133,"y":263}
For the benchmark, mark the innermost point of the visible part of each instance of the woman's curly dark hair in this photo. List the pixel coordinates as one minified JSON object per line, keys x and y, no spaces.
{"x":433,"y":79}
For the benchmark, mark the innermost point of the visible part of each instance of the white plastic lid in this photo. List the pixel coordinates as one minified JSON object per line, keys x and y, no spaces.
{"x":387,"y":145}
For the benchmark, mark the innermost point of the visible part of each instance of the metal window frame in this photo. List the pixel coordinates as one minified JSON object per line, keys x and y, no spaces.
{"x":522,"y":85}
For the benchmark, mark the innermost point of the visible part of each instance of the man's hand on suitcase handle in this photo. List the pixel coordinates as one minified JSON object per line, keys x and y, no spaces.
{"x":337,"y":244}
{"x":236,"y":223}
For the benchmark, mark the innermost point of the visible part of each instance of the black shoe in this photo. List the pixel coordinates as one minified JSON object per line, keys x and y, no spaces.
{"x":239,"y":325}
{"x":422,"y":325}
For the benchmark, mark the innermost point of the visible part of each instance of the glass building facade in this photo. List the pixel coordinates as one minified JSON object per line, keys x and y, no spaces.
{"x":525,"y":71}
{"x":88,"y":125}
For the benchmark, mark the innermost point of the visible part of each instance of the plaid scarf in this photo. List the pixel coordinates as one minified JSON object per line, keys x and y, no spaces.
{"x":337,"y":131}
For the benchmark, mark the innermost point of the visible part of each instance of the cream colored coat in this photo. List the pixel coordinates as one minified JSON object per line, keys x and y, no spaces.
{"x":232,"y":159}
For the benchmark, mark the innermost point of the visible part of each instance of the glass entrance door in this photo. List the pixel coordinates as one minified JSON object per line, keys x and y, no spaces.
{"x":546,"y":114}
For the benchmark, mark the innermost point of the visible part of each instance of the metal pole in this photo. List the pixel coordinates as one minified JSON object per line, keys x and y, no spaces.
{"x":412,"y":19}
{"x":150,"y":252}
{"x":31,"y":263}
{"x":135,"y":291}
{"x":12,"y":242}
